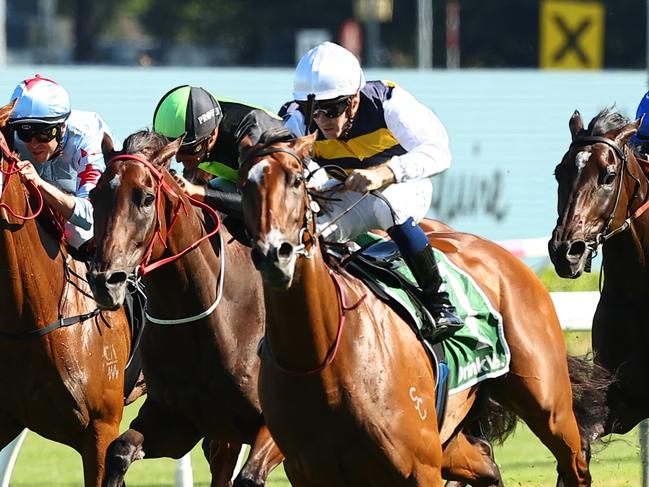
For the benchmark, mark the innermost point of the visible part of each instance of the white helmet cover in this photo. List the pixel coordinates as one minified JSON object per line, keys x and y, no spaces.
{"x":327,"y":71}
{"x":40,"y":101}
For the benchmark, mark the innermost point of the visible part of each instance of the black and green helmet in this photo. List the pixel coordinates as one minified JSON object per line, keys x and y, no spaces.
{"x":189,"y":110}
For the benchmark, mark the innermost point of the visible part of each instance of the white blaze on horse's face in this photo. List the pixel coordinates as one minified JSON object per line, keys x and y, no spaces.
{"x":114,"y":182}
{"x":582,"y":158}
{"x":256,"y":173}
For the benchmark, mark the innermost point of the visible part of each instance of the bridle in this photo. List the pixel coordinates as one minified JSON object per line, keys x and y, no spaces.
{"x":144,"y":267}
{"x":593,"y":244}
{"x":308,"y":227}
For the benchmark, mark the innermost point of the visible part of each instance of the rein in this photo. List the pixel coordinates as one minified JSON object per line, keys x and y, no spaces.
{"x":301,"y":250}
{"x":605,"y":234}
{"x":333,"y":349}
{"x":13,"y":161}
{"x":144,"y":267}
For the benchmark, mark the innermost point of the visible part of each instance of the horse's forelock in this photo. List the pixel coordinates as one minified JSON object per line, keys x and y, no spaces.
{"x":607,"y":120}
{"x":145,"y":142}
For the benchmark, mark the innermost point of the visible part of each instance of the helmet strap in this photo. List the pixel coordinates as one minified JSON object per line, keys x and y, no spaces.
{"x":59,"y":145}
{"x":310,"y":106}
{"x":350,"y":119}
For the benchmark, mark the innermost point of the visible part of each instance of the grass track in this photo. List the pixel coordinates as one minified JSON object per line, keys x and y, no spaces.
{"x":523,"y":461}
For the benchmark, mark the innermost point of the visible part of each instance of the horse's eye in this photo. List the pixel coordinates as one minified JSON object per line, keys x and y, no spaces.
{"x":298,"y":181}
{"x":148,"y":199}
{"x":608,"y":176}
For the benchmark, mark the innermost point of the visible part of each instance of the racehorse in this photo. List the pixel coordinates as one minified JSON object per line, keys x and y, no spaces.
{"x":205,"y":311}
{"x":63,"y":361}
{"x":602,"y":201}
{"x":346,"y":389}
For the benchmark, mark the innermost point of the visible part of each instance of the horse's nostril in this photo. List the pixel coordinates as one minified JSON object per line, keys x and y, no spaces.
{"x":577,"y":248}
{"x":115,"y":278}
{"x":285,"y":251}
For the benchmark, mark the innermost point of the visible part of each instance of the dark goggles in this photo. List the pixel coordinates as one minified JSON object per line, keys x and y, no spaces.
{"x":330,"y":108}
{"x":194,"y":148}
{"x":42,"y":134}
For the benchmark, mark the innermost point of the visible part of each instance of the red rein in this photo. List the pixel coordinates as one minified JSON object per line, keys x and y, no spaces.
{"x":144,"y":267}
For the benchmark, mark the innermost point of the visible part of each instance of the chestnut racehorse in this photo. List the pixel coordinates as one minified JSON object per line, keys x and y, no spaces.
{"x":63,"y":363}
{"x":205,"y":309}
{"x":345,"y":386}
{"x":602,"y":201}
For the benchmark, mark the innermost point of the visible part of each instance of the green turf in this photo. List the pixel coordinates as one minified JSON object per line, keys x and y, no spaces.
{"x":522,"y":459}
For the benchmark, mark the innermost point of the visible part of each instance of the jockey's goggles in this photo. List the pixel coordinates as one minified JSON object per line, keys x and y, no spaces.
{"x":330,"y":108}
{"x":42,"y":134}
{"x":194,"y":148}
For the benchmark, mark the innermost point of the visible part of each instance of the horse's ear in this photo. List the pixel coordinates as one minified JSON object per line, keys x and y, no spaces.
{"x":303,"y":145}
{"x":5,"y":111}
{"x":163,"y":156}
{"x":107,"y":147}
{"x":627,"y":131}
{"x":576,"y":124}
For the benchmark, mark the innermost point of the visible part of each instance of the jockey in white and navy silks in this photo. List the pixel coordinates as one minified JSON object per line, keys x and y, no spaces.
{"x":385,"y":140}
{"x":61,"y":151}
{"x":639,"y":141}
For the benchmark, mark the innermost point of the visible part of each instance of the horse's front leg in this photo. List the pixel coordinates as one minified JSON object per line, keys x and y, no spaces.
{"x":264,"y":457}
{"x":154,"y":433}
{"x":95,"y":441}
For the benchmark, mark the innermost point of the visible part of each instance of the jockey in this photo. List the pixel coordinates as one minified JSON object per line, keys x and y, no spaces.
{"x":213,"y":132}
{"x":61,"y":151}
{"x":639,"y":141}
{"x":385,"y":140}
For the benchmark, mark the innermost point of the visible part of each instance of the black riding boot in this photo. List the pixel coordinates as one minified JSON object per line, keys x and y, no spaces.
{"x":426,"y":273}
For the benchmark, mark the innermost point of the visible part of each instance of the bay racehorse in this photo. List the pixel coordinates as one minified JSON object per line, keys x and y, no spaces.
{"x":63,"y":362}
{"x":205,"y":312}
{"x":602,"y":201}
{"x":344,"y":383}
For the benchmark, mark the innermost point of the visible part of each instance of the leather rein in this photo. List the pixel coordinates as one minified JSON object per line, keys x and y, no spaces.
{"x":309,"y":221}
{"x":144,"y":267}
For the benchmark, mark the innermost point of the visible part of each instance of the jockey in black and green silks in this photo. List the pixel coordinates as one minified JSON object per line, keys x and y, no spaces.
{"x":213,"y":130}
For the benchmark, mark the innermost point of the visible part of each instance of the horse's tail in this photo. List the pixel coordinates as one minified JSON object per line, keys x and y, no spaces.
{"x":493,"y":422}
{"x":590,"y":383}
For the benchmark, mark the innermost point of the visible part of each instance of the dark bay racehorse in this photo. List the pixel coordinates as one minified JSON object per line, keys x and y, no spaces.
{"x":603,"y":198}
{"x":206,"y":317}
{"x":347,"y":390}
{"x":64,"y":382}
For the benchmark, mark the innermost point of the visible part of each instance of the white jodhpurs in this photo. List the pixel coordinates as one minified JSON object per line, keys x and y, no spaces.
{"x":411,"y":199}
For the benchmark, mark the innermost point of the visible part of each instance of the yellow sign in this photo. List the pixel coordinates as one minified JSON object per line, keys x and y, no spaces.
{"x":572,"y":34}
{"x":368,"y":10}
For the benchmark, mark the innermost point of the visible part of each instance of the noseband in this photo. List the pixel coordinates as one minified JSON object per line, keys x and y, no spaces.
{"x":601,"y":237}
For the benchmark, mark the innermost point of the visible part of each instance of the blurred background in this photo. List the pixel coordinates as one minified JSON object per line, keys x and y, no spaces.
{"x":504,"y":77}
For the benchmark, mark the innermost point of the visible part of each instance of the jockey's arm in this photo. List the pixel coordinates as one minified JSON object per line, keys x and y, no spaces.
{"x":58,"y":200}
{"x":420,"y":133}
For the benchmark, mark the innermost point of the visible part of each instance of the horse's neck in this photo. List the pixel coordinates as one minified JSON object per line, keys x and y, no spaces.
{"x":194,"y":274}
{"x":303,"y":321}
{"x":31,"y":271}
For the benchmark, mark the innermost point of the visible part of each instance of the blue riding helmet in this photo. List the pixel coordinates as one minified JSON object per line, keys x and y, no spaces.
{"x":642,"y":135}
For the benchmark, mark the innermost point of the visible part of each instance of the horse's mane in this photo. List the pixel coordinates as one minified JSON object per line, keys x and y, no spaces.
{"x":607,"y":120}
{"x":145,"y":142}
{"x":269,"y":137}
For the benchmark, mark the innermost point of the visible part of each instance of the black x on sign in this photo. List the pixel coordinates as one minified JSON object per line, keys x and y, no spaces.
{"x":572,"y":34}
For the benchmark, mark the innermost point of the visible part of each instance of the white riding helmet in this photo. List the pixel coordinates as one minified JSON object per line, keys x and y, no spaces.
{"x":327,"y":71}
{"x":40,"y":101}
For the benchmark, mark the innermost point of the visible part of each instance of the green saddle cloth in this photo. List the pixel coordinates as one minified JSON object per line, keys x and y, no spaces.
{"x":478,"y":350}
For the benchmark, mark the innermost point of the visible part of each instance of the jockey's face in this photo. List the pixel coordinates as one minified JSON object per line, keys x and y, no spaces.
{"x":197,"y":152}
{"x":333,"y":127}
{"x":41,"y":152}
